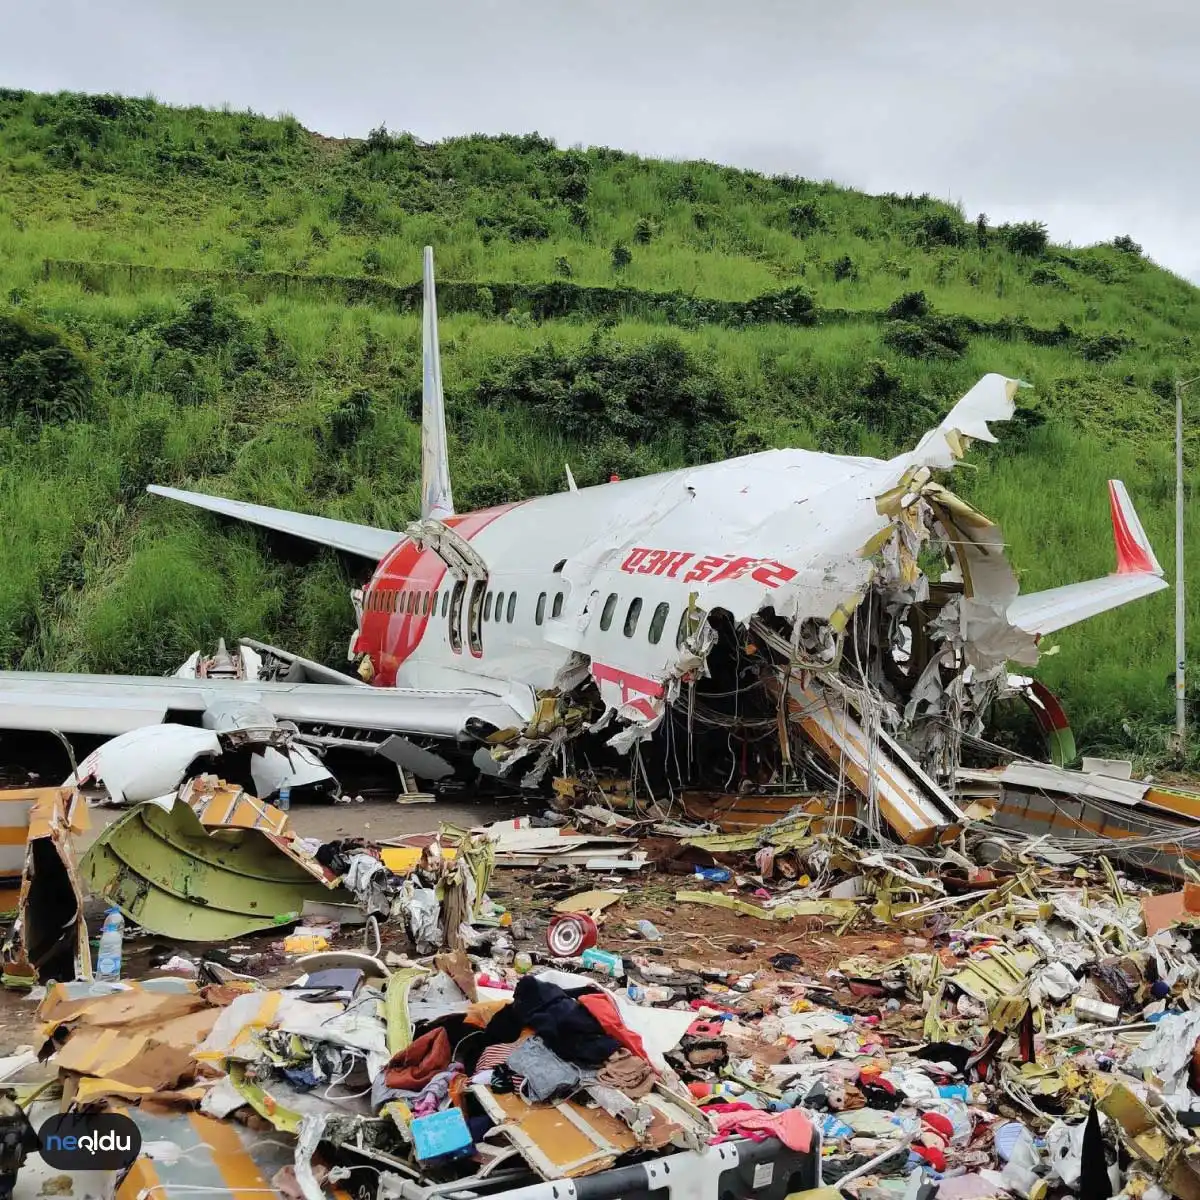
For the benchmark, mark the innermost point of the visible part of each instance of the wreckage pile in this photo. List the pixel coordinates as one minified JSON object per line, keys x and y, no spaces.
{"x":589,"y":996}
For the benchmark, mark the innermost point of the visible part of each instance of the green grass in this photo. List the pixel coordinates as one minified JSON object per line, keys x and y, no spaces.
{"x":277,"y":390}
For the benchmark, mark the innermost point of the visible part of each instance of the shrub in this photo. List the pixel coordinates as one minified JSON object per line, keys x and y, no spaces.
{"x":562,"y":267}
{"x":643,"y":231}
{"x":40,"y":376}
{"x":1026,"y":237}
{"x":622,"y":256}
{"x":844,"y":268}
{"x":207,"y":323}
{"x":940,"y":228}
{"x":932,"y":337}
{"x":1103,"y":347}
{"x":805,"y":218}
{"x":1046,"y":277}
{"x":909,"y":307}
{"x":1126,"y":245}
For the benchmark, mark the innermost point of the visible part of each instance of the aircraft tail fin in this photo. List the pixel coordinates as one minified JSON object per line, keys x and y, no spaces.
{"x":437,"y":501}
{"x":1135,"y":555}
{"x":1138,"y":574}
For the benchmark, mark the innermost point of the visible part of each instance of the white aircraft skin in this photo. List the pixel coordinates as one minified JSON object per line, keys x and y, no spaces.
{"x":477,"y":621}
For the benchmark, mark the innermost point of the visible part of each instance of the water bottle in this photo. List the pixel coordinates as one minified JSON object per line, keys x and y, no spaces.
{"x":108,"y":961}
{"x":285,"y":798}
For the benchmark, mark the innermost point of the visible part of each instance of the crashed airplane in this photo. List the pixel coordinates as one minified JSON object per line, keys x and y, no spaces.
{"x":784,"y":616}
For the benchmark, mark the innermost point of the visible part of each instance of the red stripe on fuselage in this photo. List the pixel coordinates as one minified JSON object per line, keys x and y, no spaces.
{"x":389,"y":638}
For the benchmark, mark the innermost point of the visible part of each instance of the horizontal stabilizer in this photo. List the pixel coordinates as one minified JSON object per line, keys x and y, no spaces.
{"x":1138,"y":574}
{"x":363,"y":540}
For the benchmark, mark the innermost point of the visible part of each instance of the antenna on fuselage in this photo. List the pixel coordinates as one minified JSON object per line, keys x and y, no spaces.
{"x":437,"y":500}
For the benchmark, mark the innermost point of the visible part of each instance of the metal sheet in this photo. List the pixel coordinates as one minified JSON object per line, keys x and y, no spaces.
{"x":171,"y":877}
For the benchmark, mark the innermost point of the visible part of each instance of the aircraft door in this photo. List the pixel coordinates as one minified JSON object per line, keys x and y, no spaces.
{"x":456,"y":615}
{"x":475,"y":617}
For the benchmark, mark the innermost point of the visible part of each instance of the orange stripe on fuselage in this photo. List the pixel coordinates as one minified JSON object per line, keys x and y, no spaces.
{"x":389,"y":638}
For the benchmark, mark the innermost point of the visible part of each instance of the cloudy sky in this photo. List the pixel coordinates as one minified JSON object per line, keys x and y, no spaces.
{"x":1081,"y":113}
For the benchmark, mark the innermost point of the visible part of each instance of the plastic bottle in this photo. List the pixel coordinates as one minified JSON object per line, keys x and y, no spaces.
{"x":648,"y":931}
{"x":112,"y":933}
{"x":284,"y":803}
{"x":604,"y":961}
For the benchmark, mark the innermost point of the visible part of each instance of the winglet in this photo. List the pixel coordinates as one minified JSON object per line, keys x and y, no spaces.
{"x":570,"y":479}
{"x":437,"y":500}
{"x":1135,"y":555}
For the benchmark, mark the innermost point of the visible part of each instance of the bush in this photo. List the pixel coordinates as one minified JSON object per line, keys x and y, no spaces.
{"x":40,"y":376}
{"x":622,"y":256}
{"x":1126,"y":245}
{"x":1026,"y":237}
{"x":933,"y":337}
{"x":941,"y":228}
{"x":805,"y":218}
{"x":207,"y":323}
{"x":909,"y":307}
{"x":1103,"y":347}
{"x":844,"y":268}
{"x":643,"y":231}
{"x":1046,"y":277}
{"x":604,"y":391}
{"x":562,"y":267}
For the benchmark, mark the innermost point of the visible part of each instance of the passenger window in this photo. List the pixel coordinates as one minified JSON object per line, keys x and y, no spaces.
{"x":631,"y":617}
{"x":499,"y":607}
{"x":424,"y":604}
{"x":610,"y":607}
{"x":411,"y":603}
{"x":456,"y":607}
{"x":659,"y":623}
{"x":556,"y":608}
{"x":512,"y":607}
{"x":487,"y":607}
{"x":539,"y":613}
{"x":687,"y":626}
{"x":445,"y":603}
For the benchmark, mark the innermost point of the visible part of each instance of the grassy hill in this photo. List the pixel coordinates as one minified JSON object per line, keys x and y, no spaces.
{"x":218,"y":299}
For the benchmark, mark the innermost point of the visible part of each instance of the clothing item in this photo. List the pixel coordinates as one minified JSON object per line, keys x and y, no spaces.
{"x":791,"y":1126}
{"x":411,"y":1069}
{"x":629,"y":1074}
{"x":604,"y":1008}
{"x":546,"y":1075}
{"x":563,"y":1024}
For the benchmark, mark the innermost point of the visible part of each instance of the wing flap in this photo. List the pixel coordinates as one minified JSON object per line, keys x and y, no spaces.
{"x":364,"y":540}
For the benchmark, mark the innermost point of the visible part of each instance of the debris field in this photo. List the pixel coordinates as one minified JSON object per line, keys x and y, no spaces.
{"x":603,"y":994}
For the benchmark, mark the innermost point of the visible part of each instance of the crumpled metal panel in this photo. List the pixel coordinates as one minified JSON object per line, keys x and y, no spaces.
{"x":164,"y":871}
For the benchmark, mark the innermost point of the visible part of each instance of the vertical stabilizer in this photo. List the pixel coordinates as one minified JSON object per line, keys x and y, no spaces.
{"x":436,"y":499}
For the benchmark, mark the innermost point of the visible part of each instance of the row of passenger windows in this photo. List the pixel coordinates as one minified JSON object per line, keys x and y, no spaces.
{"x":502,"y":606}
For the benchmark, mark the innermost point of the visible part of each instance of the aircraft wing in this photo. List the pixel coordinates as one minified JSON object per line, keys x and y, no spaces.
{"x":1138,"y":574}
{"x":108,"y":705}
{"x":364,"y":540}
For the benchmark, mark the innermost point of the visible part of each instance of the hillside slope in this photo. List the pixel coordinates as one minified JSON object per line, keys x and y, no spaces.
{"x":216,"y":299}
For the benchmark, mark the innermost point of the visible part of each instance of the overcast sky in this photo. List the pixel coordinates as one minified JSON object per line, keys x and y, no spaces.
{"x":1081,"y":113}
